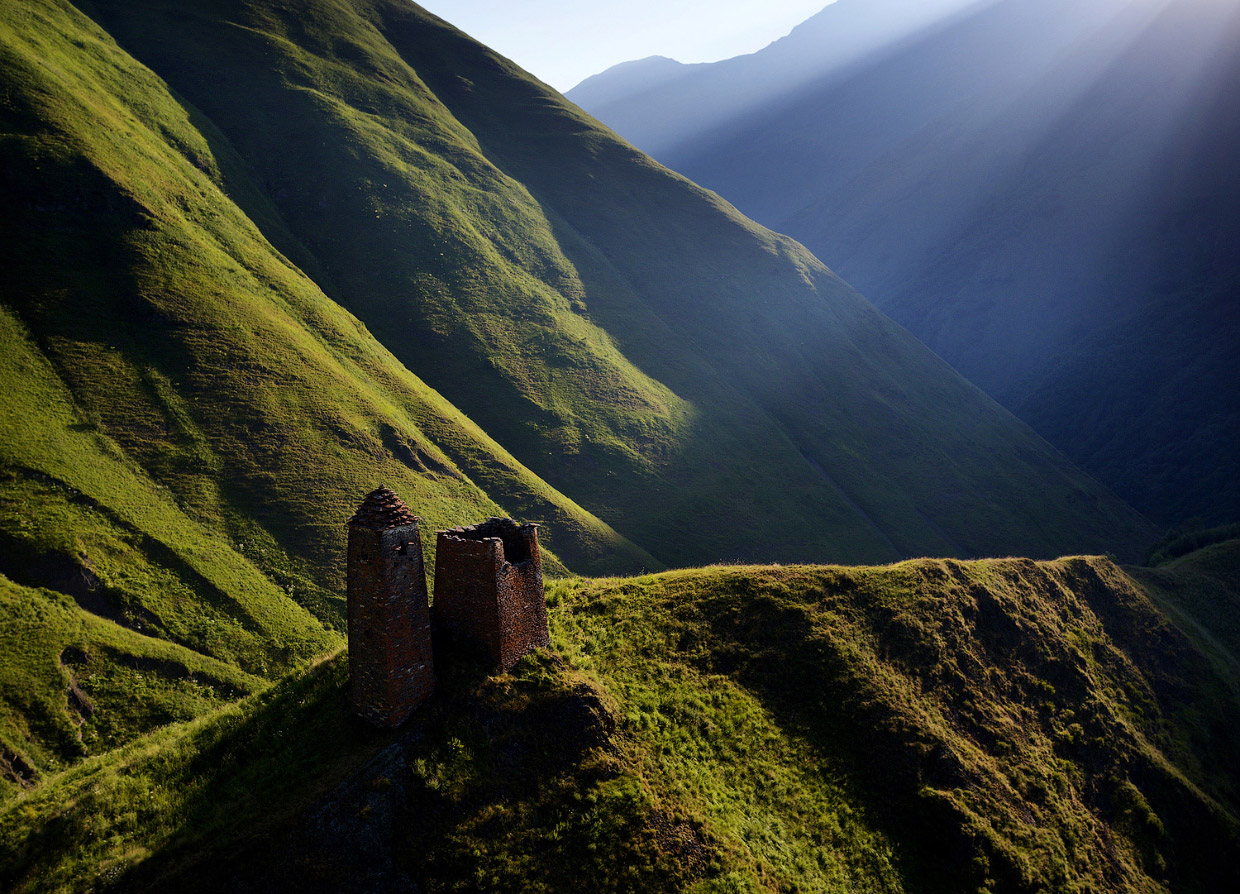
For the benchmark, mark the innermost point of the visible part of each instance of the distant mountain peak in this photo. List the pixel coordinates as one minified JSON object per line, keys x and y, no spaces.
{"x":625,"y":78}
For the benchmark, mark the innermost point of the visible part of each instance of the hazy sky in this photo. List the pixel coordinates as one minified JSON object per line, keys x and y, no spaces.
{"x":564,"y":41}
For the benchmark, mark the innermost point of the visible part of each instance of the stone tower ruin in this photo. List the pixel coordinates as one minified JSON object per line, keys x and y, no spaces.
{"x":391,"y":664}
{"x":489,"y":590}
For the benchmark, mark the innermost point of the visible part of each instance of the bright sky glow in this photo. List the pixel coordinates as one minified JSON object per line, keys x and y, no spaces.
{"x":562,"y":42}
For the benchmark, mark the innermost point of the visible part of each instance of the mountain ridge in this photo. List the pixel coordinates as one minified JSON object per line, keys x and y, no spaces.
{"x":825,"y":45}
{"x":1038,"y":193}
{"x":643,"y":262}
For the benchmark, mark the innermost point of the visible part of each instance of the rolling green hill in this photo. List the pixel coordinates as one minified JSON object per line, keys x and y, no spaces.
{"x":998,"y":725}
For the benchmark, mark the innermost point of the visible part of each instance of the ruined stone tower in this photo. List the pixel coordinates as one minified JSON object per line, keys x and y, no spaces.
{"x":489,"y":589}
{"x":391,"y":665}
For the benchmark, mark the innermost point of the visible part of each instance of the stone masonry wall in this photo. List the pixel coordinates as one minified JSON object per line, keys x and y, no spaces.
{"x":391,"y":663}
{"x":489,"y":590}
{"x":466,"y":607}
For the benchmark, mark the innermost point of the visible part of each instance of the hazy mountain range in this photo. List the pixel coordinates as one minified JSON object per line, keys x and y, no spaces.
{"x":1044,"y":193}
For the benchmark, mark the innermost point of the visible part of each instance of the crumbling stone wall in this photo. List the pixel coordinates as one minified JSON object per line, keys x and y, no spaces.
{"x":488,"y":598}
{"x":391,"y":662}
{"x":489,"y":590}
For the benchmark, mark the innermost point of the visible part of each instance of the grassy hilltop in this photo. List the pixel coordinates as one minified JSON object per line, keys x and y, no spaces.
{"x":999,"y":725}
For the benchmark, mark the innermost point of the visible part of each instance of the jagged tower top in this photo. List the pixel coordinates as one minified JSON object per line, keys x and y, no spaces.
{"x":382,"y":509}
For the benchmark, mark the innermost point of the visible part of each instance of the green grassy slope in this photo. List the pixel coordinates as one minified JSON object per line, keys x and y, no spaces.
{"x":194,"y":344}
{"x":81,"y":517}
{"x":187,"y":343}
{"x":631,"y":338}
{"x":188,"y":418}
{"x":186,"y":421}
{"x":1203,"y":590}
{"x":188,"y":415}
{"x":1011,"y":725}
{"x":994,"y":726}
{"x":73,"y":684}
{"x":516,"y":781}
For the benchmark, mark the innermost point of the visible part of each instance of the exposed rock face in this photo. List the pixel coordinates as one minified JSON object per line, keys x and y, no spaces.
{"x":489,"y":589}
{"x":391,"y":662}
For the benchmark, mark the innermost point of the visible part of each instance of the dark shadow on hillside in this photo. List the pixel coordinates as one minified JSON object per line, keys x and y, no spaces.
{"x":495,"y":783}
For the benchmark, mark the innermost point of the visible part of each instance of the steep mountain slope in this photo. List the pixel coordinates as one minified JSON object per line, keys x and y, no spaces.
{"x":186,"y":421}
{"x":73,"y":684}
{"x":188,"y":415}
{"x":150,"y":319}
{"x":1002,"y":726}
{"x":630,"y":338}
{"x":1041,"y":192}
